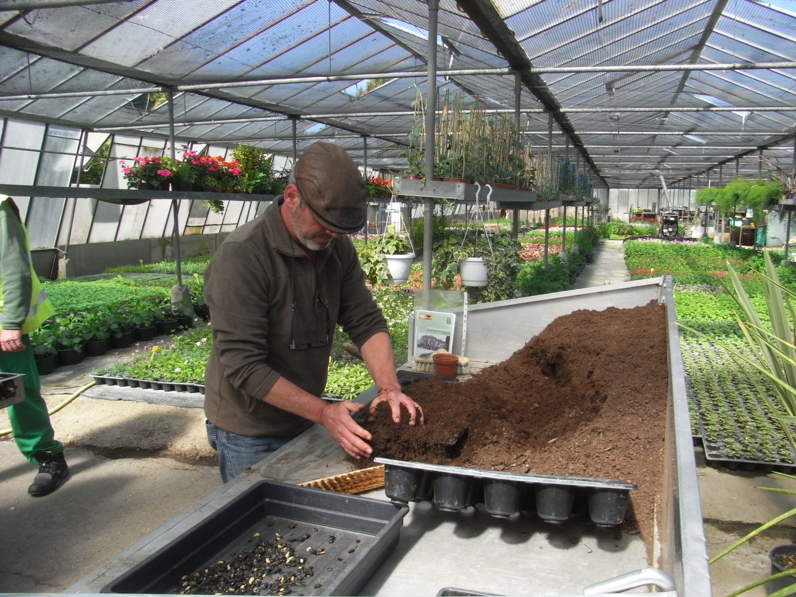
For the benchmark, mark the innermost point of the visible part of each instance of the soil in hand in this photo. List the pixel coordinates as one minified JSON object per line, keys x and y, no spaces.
{"x":586,"y":397}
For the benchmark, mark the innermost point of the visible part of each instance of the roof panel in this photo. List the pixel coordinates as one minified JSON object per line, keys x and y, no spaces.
{"x":212,"y":38}
{"x":70,"y":28}
{"x":301,"y":27}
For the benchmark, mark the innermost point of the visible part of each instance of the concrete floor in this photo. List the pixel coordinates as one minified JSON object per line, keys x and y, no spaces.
{"x":136,"y":465}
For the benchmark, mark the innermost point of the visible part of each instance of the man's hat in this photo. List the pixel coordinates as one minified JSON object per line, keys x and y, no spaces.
{"x":332,"y":186}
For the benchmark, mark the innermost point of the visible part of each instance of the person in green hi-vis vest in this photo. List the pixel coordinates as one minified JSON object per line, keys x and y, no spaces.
{"x":23,"y":308}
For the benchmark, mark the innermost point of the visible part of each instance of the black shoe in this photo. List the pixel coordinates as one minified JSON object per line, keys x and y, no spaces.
{"x":53,"y":471}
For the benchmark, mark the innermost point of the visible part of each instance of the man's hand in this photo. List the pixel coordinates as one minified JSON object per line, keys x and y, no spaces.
{"x":396,"y":399}
{"x":11,"y":341}
{"x":338,"y":420}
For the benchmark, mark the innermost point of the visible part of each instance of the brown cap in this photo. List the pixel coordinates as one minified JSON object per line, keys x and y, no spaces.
{"x":332,"y":186}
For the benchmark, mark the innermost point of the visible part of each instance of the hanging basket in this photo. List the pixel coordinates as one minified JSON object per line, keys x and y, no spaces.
{"x":400,"y":266}
{"x":473,"y":271}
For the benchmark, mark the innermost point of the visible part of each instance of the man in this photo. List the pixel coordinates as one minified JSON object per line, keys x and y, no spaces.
{"x":24,"y":308}
{"x":276,"y":288}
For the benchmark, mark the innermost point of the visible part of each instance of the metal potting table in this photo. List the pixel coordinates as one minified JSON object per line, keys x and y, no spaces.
{"x":471,"y":552}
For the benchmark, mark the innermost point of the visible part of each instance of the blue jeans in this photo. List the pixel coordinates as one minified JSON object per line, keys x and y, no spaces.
{"x":237,"y":452}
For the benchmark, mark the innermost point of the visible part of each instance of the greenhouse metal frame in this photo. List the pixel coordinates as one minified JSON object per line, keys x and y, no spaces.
{"x":648,"y":97}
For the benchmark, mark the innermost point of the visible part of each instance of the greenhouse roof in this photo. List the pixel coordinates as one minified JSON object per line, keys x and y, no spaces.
{"x":640,"y":91}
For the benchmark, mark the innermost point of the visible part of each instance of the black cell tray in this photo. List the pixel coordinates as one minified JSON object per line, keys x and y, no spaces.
{"x":504,"y":494}
{"x":364,"y":532}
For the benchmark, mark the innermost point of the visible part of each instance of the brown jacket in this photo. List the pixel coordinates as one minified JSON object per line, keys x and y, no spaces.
{"x":250,"y":286}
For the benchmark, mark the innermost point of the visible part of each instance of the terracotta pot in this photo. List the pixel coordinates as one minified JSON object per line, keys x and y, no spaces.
{"x":465,"y":180}
{"x":445,"y":365}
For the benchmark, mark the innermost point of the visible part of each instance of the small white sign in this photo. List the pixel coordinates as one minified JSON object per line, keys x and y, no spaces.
{"x":433,"y":331}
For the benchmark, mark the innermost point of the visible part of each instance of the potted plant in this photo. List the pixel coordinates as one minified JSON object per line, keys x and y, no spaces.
{"x":378,"y":187}
{"x":121,"y":328}
{"x":472,"y":263}
{"x":68,"y":340}
{"x":219,"y":175}
{"x":186,"y":172}
{"x":143,"y":319}
{"x":165,"y":320}
{"x":256,"y":175}
{"x":96,"y":326}
{"x":397,"y":253}
{"x":148,"y":173}
{"x":183,"y":314}
{"x":44,"y":352}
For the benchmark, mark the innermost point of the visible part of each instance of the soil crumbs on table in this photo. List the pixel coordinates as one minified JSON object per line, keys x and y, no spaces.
{"x":585,"y":398}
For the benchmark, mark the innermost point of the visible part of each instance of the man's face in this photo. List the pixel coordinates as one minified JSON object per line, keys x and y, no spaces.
{"x":309,"y":232}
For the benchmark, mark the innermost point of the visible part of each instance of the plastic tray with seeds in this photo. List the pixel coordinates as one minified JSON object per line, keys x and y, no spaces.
{"x":274,"y":539}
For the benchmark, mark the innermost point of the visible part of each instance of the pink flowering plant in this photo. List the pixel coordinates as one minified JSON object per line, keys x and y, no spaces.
{"x":154,"y":171}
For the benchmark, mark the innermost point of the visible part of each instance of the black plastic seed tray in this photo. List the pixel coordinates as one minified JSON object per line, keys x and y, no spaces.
{"x":343,"y":538}
{"x":504,"y":494}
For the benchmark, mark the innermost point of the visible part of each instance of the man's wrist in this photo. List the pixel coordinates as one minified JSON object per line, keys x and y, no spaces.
{"x":388,"y":388}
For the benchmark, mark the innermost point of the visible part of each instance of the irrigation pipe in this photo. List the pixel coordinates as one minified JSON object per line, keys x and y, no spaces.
{"x":60,"y":406}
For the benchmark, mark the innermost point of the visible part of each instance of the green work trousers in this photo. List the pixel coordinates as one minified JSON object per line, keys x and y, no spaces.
{"x":30,"y":422}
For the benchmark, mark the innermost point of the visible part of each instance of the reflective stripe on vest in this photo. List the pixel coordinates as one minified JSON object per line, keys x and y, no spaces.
{"x":40,"y":306}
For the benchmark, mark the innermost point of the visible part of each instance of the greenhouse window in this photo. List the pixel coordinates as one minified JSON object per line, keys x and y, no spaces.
{"x":365,"y":86}
{"x":315,"y":128}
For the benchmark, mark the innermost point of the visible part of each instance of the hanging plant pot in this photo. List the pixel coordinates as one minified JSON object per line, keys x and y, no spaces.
{"x":400,"y":266}
{"x":473,"y":271}
{"x":783,"y":557}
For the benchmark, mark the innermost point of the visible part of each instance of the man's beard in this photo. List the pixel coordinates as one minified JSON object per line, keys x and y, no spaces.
{"x":311,"y":244}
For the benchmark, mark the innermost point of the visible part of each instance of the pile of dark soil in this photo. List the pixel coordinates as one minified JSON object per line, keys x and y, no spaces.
{"x":586,"y":397}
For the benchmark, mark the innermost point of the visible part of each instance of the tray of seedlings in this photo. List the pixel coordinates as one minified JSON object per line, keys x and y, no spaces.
{"x":503,"y":493}
{"x":735,"y":411}
{"x":274,"y":539}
